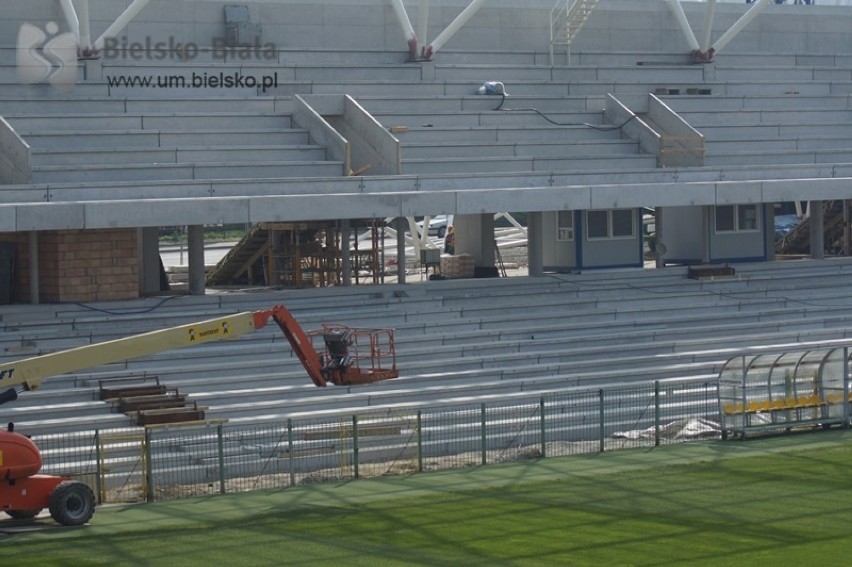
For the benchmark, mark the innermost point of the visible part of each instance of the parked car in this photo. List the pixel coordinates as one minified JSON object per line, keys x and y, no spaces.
{"x":437,"y":225}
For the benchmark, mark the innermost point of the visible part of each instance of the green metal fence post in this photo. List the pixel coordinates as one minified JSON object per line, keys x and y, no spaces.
{"x":419,"y":441}
{"x":99,"y":459}
{"x":484,"y":439}
{"x":601,"y":421}
{"x":355,"y":443}
{"x":291,"y":457}
{"x":656,"y":413}
{"x":221,"y":448}
{"x":543,"y":428}
{"x":149,"y":467}
{"x":846,"y":387}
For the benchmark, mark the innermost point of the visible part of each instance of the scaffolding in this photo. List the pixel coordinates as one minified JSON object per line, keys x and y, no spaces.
{"x":310,"y":255}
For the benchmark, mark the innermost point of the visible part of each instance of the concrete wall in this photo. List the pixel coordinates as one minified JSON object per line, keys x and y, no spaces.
{"x":618,"y":111}
{"x":309,"y":113}
{"x":354,"y":24}
{"x":630,"y":25}
{"x":371,"y":143}
{"x":648,"y":25}
{"x":681,"y":145}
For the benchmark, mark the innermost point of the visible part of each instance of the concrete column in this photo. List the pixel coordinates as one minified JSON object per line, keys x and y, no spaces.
{"x":817,"y":226}
{"x":401,"y":225}
{"x":707,"y":225}
{"x":489,"y":242}
{"x":149,"y":260}
{"x":273,"y":275}
{"x":475,"y":236}
{"x":195,"y":248}
{"x":660,"y":253}
{"x":535,"y":244}
{"x":35,"y":292}
{"x":769,"y":219}
{"x":345,"y":256}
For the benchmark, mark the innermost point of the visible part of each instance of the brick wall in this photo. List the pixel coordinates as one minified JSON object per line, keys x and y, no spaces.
{"x":79,"y":265}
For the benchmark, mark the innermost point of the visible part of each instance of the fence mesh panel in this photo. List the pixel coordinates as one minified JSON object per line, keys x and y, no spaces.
{"x":572,"y":423}
{"x":174,"y":461}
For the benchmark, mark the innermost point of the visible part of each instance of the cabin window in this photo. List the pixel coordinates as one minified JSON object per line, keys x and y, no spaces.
{"x":564,"y":226}
{"x":736,"y":218}
{"x":610,"y":223}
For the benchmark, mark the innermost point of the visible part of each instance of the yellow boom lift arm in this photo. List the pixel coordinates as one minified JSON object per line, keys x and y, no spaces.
{"x":341,"y":362}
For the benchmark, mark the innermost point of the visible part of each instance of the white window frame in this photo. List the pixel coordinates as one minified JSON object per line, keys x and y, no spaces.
{"x":736,"y":211}
{"x":610,"y":225}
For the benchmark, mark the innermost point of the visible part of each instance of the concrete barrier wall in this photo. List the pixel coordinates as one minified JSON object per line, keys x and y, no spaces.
{"x":371,"y":24}
{"x":14,"y":156}
{"x":380,"y":148}
{"x":617,"y":112}
{"x":681,"y":144}
{"x":309,"y":114}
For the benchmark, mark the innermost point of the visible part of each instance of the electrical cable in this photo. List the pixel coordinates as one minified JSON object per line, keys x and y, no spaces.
{"x":128,"y":311}
{"x":550,"y":120}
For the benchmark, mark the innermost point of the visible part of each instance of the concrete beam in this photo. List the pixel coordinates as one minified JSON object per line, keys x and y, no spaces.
{"x":387,"y":203}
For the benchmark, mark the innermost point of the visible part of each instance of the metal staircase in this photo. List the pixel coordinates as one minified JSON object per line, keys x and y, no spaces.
{"x":566,"y":20}
{"x":798,"y":240}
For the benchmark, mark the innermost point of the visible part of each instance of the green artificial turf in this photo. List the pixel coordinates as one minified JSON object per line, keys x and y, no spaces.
{"x":784,"y":501}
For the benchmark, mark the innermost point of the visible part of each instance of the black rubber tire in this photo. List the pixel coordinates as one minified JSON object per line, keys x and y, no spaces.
{"x":23,"y":514}
{"x":442,"y":232}
{"x":72,"y":503}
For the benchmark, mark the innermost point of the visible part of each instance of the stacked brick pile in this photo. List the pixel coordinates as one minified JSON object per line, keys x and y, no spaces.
{"x":460,"y":266}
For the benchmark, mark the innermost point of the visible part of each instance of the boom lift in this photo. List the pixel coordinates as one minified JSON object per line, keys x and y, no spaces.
{"x":349,"y":356}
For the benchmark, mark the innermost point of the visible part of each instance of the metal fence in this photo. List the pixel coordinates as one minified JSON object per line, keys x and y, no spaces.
{"x":170,"y":462}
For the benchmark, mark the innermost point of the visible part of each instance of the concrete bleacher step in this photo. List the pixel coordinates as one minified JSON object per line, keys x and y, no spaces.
{"x":521,"y":73}
{"x":766,"y":131}
{"x":519,"y":149}
{"x":176,"y":155}
{"x":415,"y":102}
{"x":790,"y":102}
{"x":26,"y":123}
{"x":232,"y":170}
{"x":743,"y":300}
{"x":477,"y":302}
{"x":821,"y":144}
{"x":770,"y":157}
{"x":473,"y":119}
{"x":792,"y":73}
{"x":119,"y":105}
{"x":156,"y":138}
{"x":768,"y":117}
{"x":43,"y":91}
{"x":512,"y":334}
{"x":418,"y":133}
{"x":524,"y":163}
